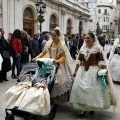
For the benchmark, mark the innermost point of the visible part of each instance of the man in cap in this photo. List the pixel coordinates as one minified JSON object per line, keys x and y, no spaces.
{"x":34,"y":45}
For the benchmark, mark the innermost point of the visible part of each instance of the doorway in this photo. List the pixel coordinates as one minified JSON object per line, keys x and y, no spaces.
{"x":28,"y":21}
{"x":28,"y":26}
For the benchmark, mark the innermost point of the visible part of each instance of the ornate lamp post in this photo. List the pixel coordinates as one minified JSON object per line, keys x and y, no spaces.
{"x":80,"y":24}
{"x":41,"y":8}
{"x":97,"y":30}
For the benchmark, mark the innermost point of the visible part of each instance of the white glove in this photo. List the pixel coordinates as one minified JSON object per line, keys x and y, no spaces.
{"x":48,"y":61}
{"x":103,"y":72}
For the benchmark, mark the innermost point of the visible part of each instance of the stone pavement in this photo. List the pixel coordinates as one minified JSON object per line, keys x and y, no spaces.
{"x":64,"y":111}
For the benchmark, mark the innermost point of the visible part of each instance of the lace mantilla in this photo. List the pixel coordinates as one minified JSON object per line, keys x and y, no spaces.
{"x":86,"y":51}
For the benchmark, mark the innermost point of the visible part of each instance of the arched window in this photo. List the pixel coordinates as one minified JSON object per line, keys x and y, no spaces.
{"x":28,"y":21}
{"x":69,"y":27}
{"x":99,"y":11}
{"x":53,"y":19}
{"x":69,"y":24}
{"x":28,"y":13}
{"x":53,"y":22}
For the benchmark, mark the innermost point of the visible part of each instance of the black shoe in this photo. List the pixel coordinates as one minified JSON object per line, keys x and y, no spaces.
{"x":91,"y":112}
{"x":14,"y":76}
{"x":82,"y":114}
{"x":6,"y":80}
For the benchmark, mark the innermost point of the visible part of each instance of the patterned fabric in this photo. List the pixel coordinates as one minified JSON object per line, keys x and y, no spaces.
{"x":87,"y":91}
{"x":114,"y":66}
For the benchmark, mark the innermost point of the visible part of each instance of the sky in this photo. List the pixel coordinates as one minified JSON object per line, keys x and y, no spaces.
{"x":112,"y":0}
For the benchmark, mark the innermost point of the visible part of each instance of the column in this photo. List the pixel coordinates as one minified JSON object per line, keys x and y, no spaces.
{"x":18,"y":20}
{"x":5,"y":17}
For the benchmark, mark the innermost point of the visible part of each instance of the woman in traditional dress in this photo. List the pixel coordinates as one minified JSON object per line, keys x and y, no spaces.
{"x":114,"y":60}
{"x":57,"y":50}
{"x":88,"y":93}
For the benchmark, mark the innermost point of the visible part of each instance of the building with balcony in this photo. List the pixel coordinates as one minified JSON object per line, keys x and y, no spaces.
{"x":105,"y":17}
{"x":1,"y":14}
{"x":21,"y":14}
{"x":117,"y":18}
{"x":92,"y":6}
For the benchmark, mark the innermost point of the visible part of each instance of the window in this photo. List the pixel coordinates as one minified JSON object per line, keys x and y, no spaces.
{"x":105,"y":12}
{"x":91,"y":20}
{"x":104,"y":19}
{"x":98,"y":19}
{"x":106,"y":27}
{"x":99,"y":11}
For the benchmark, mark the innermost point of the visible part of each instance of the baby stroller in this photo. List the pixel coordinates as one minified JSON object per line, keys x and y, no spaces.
{"x":34,"y":70}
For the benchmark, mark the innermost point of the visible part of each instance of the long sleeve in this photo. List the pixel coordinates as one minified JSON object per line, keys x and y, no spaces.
{"x":101,"y":60}
{"x":62,"y":58}
{"x":14,"y":46}
{"x":41,"y":54}
{"x":79,"y":59}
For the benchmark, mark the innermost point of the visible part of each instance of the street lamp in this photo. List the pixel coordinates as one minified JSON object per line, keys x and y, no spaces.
{"x":41,"y":8}
{"x":97,"y":30}
{"x":80,"y":24}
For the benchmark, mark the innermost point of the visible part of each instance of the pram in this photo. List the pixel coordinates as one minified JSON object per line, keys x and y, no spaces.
{"x":34,"y":70}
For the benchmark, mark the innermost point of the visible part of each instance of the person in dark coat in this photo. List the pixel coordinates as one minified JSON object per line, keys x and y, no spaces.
{"x":24,"y":58}
{"x":34,"y":45}
{"x":17,"y":51}
{"x":6,"y":65}
{"x":74,"y":47}
{"x":25,"y":41}
{"x":80,"y":42}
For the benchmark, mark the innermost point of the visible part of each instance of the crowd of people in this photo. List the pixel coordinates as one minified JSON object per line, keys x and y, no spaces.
{"x":18,"y":46}
{"x":82,"y":88}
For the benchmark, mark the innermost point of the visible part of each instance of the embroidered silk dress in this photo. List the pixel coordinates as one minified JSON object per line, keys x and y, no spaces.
{"x":114,"y":64}
{"x":63,"y":84}
{"x":87,"y":92}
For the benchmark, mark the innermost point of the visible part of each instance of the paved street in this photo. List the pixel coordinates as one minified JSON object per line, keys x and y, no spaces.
{"x":64,"y":111}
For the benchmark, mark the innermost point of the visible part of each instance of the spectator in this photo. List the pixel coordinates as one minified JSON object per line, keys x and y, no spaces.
{"x":80,"y":42}
{"x":34,"y":45}
{"x":74,"y":47}
{"x":83,"y":37}
{"x":17,"y":51}
{"x":5,"y":52}
{"x":25,"y":41}
{"x":24,"y":57}
{"x":46,"y":38}
{"x":9,"y":39}
{"x":28,"y":36}
{"x":40,"y":42}
{"x":71,"y":45}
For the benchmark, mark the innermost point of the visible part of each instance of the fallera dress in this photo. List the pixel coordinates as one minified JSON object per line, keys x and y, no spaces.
{"x":114,"y":64}
{"x":87,"y":92}
{"x":63,"y":83}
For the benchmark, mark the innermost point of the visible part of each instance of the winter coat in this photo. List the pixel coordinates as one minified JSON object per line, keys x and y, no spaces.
{"x":4,"y":46}
{"x":34,"y":47}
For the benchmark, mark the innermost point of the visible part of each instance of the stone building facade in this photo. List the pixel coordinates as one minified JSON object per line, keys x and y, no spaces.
{"x":117,"y":18}
{"x":105,"y":17}
{"x":21,"y":14}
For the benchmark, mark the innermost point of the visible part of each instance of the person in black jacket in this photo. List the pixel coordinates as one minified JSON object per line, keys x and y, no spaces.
{"x":24,"y":57}
{"x":6,"y":65}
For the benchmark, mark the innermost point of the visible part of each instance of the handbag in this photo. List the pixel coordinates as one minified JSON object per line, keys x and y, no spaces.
{"x":5,"y":54}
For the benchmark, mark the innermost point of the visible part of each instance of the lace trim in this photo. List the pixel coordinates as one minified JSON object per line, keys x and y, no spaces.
{"x":78,"y":62}
{"x":87,"y":51}
{"x":100,"y":63}
{"x":57,"y":91}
